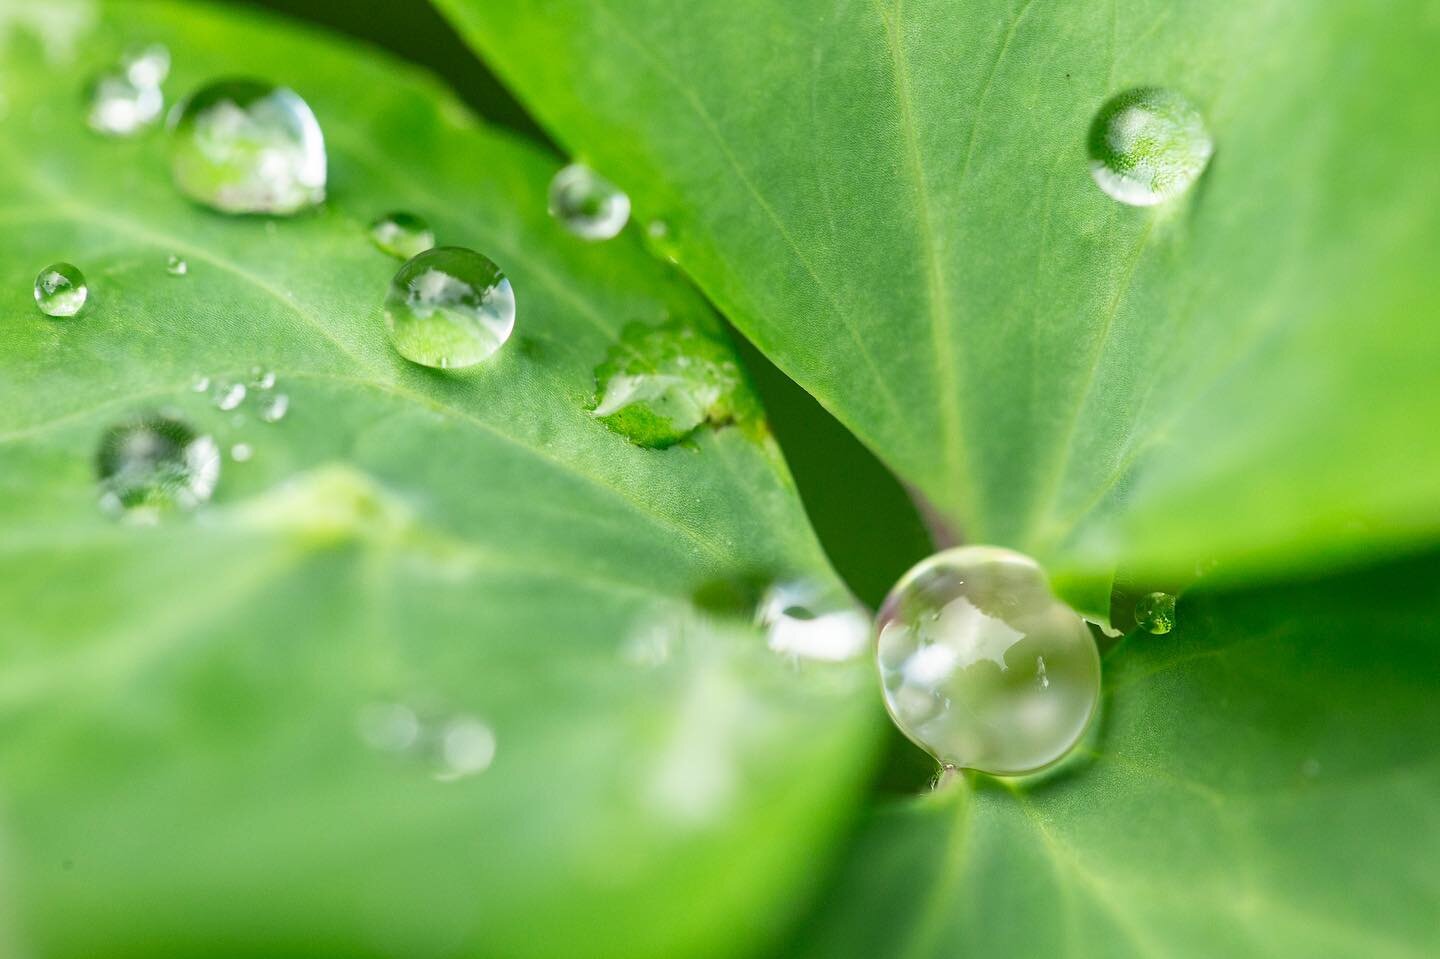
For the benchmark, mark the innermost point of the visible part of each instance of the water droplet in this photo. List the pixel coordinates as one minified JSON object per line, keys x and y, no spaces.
{"x":176,"y":265}
{"x":275,"y":408}
{"x":147,"y":65}
{"x":659,"y":384}
{"x":467,"y":747}
{"x":808,"y":620}
{"x":60,"y":289}
{"x":118,"y":106}
{"x":156,"y":461}
{"x":1155,"y":613}
{"x":587,"y":204}
{"x":229,"y":395}
{"x":402,"y":235}
{"x":982,"y":666}
{"x":390,"y":727}
{"x":261,"y":378}
{"x":241,"y":452}
{"x":200,"y":384}
{"x":449,"y":307}
{"x":244,"y":146}
{"x":1148,"y":145}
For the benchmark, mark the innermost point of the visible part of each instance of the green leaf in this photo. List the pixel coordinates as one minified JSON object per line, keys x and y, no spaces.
{"x":184,"y":707}
{"x":893,"y":200}
{"x":1262,"y":784}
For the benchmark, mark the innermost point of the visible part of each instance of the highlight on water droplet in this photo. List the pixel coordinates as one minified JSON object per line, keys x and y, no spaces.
{"x":176,"y":265}
{"x":402,"y":235}
{"x":982,"y":666}
{"x":60,"y":290}
{"x":1148,"y":145}
{"x":587,"y":204}
{"x":275,"y":408}
{"x":659,"y":384}
{"x":807,"y":619}
{"x":153,"y":462}
{"x":448,"y":308}
{"x":246,"y":146}
{"x":120,"y":107}
{"x":146,"y":65}
{"x":1155,"y":613}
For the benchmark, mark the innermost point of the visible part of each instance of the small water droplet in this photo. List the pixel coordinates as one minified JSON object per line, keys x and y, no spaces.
{"x":587,"y":204}
{"x":261,"y":378}
{"x":1148,"y":145}
{"x":120,"y":107}
{"x":448,"y":308}
{"x":659,"y":384}
{"x":806,"y":619}
{"x":241,"y":452}
{"x":389,"y":727}
{"x":229,"y":395}
{"x":147,"y":65}
{"x":245,"y":146}
{"x":200,"y":384}
{"x":402,"y":235}
{"x":982,"y":666}
{"x":467,"y":747}
{"x":156,"y":461}
{"x":60,"y":289}
{"x":275,"y":408}
{"x":1155,"y":613}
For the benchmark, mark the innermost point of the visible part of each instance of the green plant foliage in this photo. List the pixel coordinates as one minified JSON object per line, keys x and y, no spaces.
{"x":1262,"y":784}
{"x":893,"y":200}
{"x":184,"y":707}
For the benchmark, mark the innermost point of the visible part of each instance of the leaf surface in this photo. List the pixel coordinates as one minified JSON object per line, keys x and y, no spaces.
{"x":239,"y":731}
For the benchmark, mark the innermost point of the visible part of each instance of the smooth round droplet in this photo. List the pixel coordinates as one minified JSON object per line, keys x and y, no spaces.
{"x":146,"y":65}
{"x":156,"y":461}
{"x":587,"y":204}
{"x":448,"y":308}
{"x":807,"y":619}
{"x":1155,"y":613}
{"x":245,"y":146}
{"x":176,"y":265}
{"x":1148,"y":145}
{"x":120,"y":107}
{"x":60,"y":289}
{"x":402,"y":235}
{"x":982,"y":666}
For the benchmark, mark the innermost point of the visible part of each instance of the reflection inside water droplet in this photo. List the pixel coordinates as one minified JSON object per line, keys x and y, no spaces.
{"x":982,"y":666}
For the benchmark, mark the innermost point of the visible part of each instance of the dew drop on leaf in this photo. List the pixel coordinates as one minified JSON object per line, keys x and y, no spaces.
{"x":200,"y":383}
{"x":275,"y":408}
{"x":229,"y":395}
{"x":448,"y":308}
{"x":587,"y":204}
{"x":261,"y":378}
{"x":1155,"y":613}
{"x":982,"y":666}
{"x":659,"y":384}
{"x":176,"y":265}
{"x":245,"y":146}
{"x":147,"y":65}
{"x":402,"y":235}
{"x":241,"y":452}
{"x":804,"y":619}
{"x":120,"y":107}
{"x":1148,"y":145}
{"x":153,"y":462}
{"x":60,"y":289}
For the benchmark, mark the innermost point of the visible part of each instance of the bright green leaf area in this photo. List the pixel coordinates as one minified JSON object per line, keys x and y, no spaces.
{"x":892,"y":199}
{"x":183,"y":769}
{"x":1263,"y":783}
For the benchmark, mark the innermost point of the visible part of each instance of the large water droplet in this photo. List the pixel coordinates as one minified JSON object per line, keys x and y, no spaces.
{"x":807,"y":620}
{"x":60,"y":289}
{"x":402,"y":235}
{"x":1148,"y":145}
{"x":244,"y":146}
{"x":982,"y":666}
{"x":118,"y":106}
{"x":449,"y":307}
{"x":658,"y":384}
{"x":1155,"y":613}
{"x":153,"y":462}
{"x":587,"y":204}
